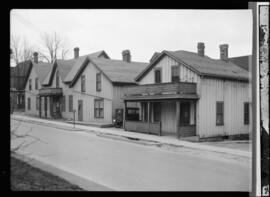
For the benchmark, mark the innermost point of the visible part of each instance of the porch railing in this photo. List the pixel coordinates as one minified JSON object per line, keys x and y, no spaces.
{"x":143,"y":127}
{"x":162,"y":88}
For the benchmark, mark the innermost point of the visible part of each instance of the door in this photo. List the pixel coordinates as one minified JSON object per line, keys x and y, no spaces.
{"x":80,"y":110}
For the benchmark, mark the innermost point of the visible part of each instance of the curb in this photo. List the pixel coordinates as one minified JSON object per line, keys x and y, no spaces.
{"x":129,"y":136}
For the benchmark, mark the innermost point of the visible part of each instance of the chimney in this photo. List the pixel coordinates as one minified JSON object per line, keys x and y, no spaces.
{"x":224,"y":52}
{"x":35,"y":57}
{"x":200,"y":47}
{"x":126,"y":55}
{"x":76,"y":52}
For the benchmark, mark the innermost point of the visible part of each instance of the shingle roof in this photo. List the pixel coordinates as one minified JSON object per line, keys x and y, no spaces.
{"x":42,"y":70}
{"x":118,"y":70}
{"x":211,"y":67}
{"x":242,"y":61}
{"x":205,"y":66}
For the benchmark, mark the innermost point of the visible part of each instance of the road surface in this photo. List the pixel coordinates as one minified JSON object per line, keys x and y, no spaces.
{"x":125,"y":166}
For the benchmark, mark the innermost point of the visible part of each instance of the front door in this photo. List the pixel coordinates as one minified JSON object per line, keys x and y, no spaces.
{"x":80,"y":110}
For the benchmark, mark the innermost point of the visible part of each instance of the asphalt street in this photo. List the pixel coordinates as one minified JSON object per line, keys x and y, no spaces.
{"x":125,"y":166}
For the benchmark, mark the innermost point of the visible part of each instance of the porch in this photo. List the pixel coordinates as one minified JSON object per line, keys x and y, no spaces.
{"x":163,"y":109}
{"x":51,"y":105}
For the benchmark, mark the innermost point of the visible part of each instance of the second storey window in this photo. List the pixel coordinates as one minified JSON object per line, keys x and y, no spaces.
{"x":70,"y":98}
{"x":83,"y":83}
{"x":246,"y":113}
{"x":57,"y":79}
{"x":158,"y":75}
{"x":219,"y":113}
{"x":99,"y":107}
{"x":36,"y":83}
{"x":30,"y":84}
{"x":98,"y":82}
{"x":175,"y":74}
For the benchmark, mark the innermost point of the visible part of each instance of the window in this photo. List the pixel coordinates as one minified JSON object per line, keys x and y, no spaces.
{"x":158,"y":75}
{"x":184,"y":113}
{"x":99,"y":106}
{"x":219,"y":113}
{"x":30,"y":84}
{"x":37,"y":103}
{"x":57,"y":79}
{"x":29,"y":103}
{"x":64,"y":103}
{"x":98,"y":82}
{"x":246,"y":113}
{"x":175,"y":73}
{"x":70,"y":98}
{"x":36,"y":83}
{"x":83,"y":83}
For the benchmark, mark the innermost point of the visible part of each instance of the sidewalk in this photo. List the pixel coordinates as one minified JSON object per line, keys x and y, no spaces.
{"x":164,"y":140}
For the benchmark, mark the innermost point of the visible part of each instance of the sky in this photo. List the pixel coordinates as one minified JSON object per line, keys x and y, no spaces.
{"x":143,"y":32}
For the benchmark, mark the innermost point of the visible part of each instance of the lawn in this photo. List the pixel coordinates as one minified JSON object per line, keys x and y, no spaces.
{"x":25,"y":177}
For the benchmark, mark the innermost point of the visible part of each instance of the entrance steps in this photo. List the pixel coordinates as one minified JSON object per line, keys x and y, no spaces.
{"x":93,"y":124}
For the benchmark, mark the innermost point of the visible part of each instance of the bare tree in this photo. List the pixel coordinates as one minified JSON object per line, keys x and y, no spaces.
{"x":21,"y":50}
{"x":55,"y":47}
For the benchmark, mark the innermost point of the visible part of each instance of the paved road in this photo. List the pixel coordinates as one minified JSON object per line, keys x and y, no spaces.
{"x":122,"y":165}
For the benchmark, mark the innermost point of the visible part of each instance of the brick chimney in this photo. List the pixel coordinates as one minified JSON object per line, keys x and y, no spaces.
{"x":35,"y":57}
{"x":126,"y":55}
{"x":224,"y":52}
{"x":76,"y":52}
{"x":200,"y":47}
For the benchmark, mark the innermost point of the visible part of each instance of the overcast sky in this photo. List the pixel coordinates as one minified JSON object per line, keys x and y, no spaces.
{"x":141,"y":31}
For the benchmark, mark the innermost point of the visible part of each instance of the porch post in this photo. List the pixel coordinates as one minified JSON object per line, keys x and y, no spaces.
{"x":177,"y":118}
{"x":124,"y":115}
{"x":45,"y":106}
{"x":39,"y":106}
{"x":51,"y":106}
{"x":148,"y":115}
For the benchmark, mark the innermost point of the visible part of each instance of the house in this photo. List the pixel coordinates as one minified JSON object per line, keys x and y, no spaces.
{"x":91,"y":86}
{"x":182,"y":93}
{"x":18,"y":77}
{"x":242,"y":61}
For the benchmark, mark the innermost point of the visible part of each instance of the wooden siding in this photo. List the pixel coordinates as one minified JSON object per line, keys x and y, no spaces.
{"x":32,"y":94}
{"x":143,"y":127}
{"x":233,"y":94}
{"x":186,"y":75}
{"x":90,"y":94}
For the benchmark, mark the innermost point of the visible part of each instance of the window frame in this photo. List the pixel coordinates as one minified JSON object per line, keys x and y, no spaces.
{"x":98,"y":82}
{"x":30,"y":84}
{"x":220,"y":113}
{"x":99,"y":108}
{"x":57,"y":83}
{"x":160,"y":75}
{"x":36,"y":83}
{"x":246,"y":121}
{"x":83,"y":83}
{"x":172,"y":76}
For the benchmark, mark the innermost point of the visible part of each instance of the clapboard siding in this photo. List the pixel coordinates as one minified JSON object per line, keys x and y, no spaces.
{"x":233,"y":94}
{"x":186,"y":75}
{"x":90,"y":94}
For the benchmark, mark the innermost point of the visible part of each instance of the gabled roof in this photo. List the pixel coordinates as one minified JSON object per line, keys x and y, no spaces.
{"x":154,"y":56}
{"x":242,"y":61}
{"x":203,"y":66}
{"x":42,"y":70}
{"x":118,"y":70}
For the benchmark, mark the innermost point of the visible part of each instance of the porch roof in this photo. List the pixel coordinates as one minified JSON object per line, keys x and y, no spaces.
{"x":160,"y":97}
{"x":50,"y":91}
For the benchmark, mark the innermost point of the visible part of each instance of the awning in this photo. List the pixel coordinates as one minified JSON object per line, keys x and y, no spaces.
{"x":50,"y":91}
{"x":161,"y":97}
